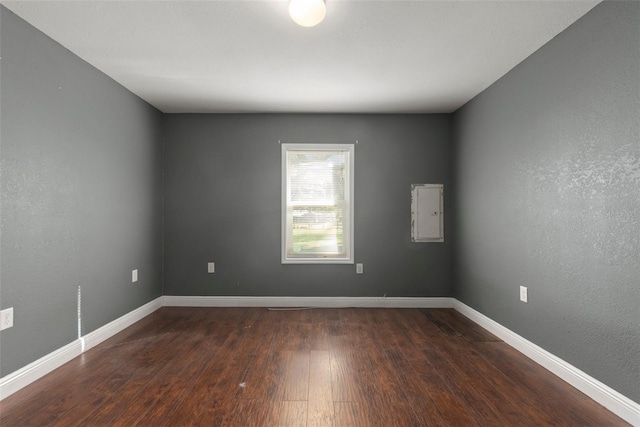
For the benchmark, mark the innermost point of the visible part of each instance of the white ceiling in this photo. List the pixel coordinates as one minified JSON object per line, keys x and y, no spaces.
{"x":248,"y":56}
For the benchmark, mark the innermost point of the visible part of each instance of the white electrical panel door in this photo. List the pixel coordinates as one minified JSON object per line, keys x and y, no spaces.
{"x":427,"y":213}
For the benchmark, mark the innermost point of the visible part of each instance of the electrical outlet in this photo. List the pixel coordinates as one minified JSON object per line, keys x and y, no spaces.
{"x":211,"y":267}
{"x":134,"y":276}
{"x":359,"y":268}
{"x":523,"y":294}
{"x":6,"y":319}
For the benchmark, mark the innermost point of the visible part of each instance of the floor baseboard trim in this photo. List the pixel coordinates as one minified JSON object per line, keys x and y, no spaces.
{"x":41,"y":367}
{"x":617,"y":403}
{"x":307,"y":302}
{"x":94,"y":338}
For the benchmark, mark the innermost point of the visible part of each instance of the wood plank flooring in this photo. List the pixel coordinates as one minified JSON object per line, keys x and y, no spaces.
{"x":323,"y":367}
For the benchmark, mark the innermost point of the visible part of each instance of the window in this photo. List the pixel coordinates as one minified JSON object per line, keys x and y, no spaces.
{"x":317,"y":203}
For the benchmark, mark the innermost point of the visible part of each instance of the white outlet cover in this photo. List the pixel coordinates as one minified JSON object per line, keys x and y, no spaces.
{"x":134,"y":276}
{"x":523,"y":294}
{"x":211,"y":267}
{"x":359,"y":268}
{"x":6,"y":318}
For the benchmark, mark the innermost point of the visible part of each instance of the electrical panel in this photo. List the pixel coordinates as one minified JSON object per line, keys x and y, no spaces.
{"x":427,"y":212}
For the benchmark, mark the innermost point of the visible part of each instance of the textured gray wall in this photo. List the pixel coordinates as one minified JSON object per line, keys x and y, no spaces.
{"x":80,"y":195}
{"x":222,"y":204}
{"x":548,"y":196}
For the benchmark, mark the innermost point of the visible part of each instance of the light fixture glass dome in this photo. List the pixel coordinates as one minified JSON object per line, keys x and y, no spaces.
{"x":307,"y":13}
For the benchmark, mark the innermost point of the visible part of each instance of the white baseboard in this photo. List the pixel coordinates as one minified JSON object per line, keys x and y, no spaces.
{"x":620,"y":405}
{"x":94,"y":338}
{"x":307,"y":302}
{"x":617,"y":403}
{"x":41,"y":367}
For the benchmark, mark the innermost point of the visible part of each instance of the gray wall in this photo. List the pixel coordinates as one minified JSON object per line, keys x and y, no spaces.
{"x":222,"y":204}
{"x":80,"y":195}
{"x":547,"y":195}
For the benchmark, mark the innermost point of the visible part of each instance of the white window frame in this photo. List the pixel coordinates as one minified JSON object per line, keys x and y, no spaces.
{"x":348,"y":230}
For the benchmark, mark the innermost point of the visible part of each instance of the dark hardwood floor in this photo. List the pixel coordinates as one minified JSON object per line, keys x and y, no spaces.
{"x":322,"y":367}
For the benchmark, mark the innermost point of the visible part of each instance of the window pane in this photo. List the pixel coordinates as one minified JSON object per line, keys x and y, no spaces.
{"x":316,"y":189}
{"x":317,"y":178}
{"x":317,"y":230}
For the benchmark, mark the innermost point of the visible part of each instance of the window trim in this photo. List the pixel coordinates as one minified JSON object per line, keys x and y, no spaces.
{"x":350,"y":235}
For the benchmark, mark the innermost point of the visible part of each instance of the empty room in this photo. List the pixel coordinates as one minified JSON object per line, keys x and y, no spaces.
{"x":320,"y":213}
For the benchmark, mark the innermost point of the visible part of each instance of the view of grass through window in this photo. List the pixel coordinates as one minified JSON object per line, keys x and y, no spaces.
{"x":317,"y":202}
{"x":317,"y":231}
{"x":317,"y":196}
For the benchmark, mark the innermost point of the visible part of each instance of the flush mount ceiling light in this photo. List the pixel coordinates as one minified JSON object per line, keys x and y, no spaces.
{"x":307,"y":13}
